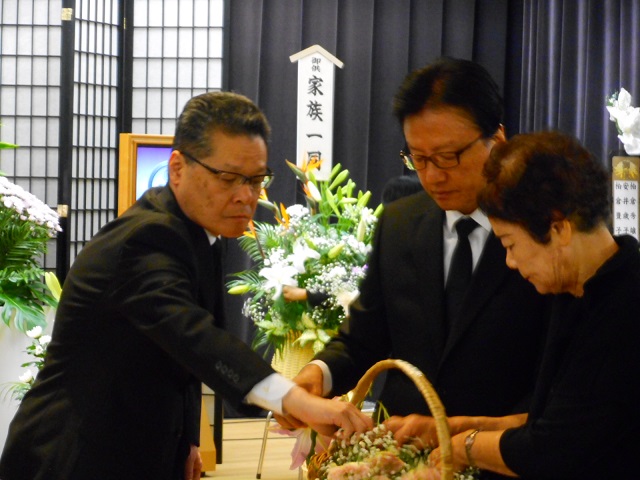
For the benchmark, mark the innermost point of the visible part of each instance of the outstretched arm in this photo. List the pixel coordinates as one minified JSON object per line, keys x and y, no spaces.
{"x":323,"y":415}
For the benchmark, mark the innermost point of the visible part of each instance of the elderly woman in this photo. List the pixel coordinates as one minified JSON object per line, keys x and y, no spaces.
{"x":548,"y":200}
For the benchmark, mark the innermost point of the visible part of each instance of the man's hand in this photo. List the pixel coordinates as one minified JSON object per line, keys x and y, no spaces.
{"x":310,"y":378}
{"x":294,"y":294}
{"x":193,"y":467}
{"x":325,"y":416}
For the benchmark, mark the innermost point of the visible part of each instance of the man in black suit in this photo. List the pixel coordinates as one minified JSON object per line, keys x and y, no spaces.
{"x":138,"y":325}
{"x":481,"y":356}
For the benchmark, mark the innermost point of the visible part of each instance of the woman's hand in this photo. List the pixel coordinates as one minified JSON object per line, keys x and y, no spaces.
{"x":419,"y":430}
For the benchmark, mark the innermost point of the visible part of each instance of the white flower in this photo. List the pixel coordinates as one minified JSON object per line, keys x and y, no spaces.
{"x":44,"y":340}
{"x":277,"y":277}
{"x":627,"y":120}
{"x":39,"y":350}
{"x":631,"y":142}
{"x":314,"y":192}
{"x":35,"y":332}
{"x":301,"y":253}
{"x":26,"y":377}
{"x":28,"y":206}
{"x":346,"y":298}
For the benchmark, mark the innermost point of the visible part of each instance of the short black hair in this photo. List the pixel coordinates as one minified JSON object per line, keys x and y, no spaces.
{"x":228,"y":112}
{"x":455,"y":83}
{"x":535,"y":179}
{"x":401,"y":186}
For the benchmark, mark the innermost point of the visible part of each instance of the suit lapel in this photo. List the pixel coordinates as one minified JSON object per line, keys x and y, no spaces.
{"x":487,"y":278}
{"x":427,"y":254}
{"x":209,"y":274}
{"x":209,"y":271}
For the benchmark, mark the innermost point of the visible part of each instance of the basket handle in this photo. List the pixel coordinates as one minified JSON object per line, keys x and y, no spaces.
{"x":428,"y":393}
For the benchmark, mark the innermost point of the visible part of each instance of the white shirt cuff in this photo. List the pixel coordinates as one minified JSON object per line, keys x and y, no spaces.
{"x":269,"y":392}
{"x":327,"y":381}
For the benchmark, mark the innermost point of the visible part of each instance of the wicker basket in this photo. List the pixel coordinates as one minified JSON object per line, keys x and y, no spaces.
{"x":428,"y":393}
{"x":290,"y":360}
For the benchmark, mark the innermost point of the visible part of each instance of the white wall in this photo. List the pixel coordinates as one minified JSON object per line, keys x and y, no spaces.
{"x":12,"y":355}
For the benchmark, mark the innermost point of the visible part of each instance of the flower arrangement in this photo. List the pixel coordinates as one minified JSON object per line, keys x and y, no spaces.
{"x":373,"y":455}
{"x":38,"y":350}
{"x":320,"y":248}
{"x":627,"y":120}
{"x":26,"y":225}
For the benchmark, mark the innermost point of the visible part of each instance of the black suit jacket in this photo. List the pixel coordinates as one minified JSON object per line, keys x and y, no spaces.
{"x":487,"y":364}
{"x":119,"y":396}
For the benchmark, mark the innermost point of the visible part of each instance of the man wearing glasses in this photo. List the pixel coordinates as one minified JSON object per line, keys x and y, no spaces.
{"x":138,"y":327}
{"x":477,"y":338}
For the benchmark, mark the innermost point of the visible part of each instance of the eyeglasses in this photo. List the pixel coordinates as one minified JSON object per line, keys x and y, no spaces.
{"x":233,"y":179}
{"x":442,"y":160}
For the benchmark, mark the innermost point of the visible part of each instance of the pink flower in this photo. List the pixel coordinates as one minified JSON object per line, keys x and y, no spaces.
{"x":386,"y":462}
{"x":423,"y":472}
{"x":303,"y":443}
{"x":349,"y":471}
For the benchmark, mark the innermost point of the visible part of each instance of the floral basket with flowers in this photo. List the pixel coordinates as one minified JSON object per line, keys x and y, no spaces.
{"x":376,"y":455}
{"x":26,"y":226}
{"x":319,"y":249}
{"x":627,"y":120}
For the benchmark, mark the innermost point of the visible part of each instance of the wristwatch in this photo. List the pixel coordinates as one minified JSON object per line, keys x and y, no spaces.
{"x":468,"y":444}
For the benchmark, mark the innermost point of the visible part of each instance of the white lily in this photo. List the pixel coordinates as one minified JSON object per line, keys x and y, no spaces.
{"x":279,"y":276}
{"x":301,"y":253}
{"x":346,"y":298}
{"x":314,"y":192}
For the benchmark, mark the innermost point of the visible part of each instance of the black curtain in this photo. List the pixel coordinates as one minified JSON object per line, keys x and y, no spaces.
{"x":573,"y":54}
{"x":379,"y":42}
{"x":557,"y":61}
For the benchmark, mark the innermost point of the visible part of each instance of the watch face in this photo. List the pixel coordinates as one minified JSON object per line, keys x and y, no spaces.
{"x":159,"y":176}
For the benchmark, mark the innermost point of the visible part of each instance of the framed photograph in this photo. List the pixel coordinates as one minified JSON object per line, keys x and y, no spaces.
{"x":143,"y":164}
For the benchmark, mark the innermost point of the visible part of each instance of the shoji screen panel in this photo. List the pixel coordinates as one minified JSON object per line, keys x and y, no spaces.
{"x":177,"y":53}
{"x":29,"y":97}
{"x":95,"y":131}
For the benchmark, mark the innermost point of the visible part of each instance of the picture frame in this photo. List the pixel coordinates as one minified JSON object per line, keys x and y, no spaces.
{"x":142,"y":164}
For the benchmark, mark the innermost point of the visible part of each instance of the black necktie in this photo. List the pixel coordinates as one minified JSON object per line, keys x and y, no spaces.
{"x":460,"y":270}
